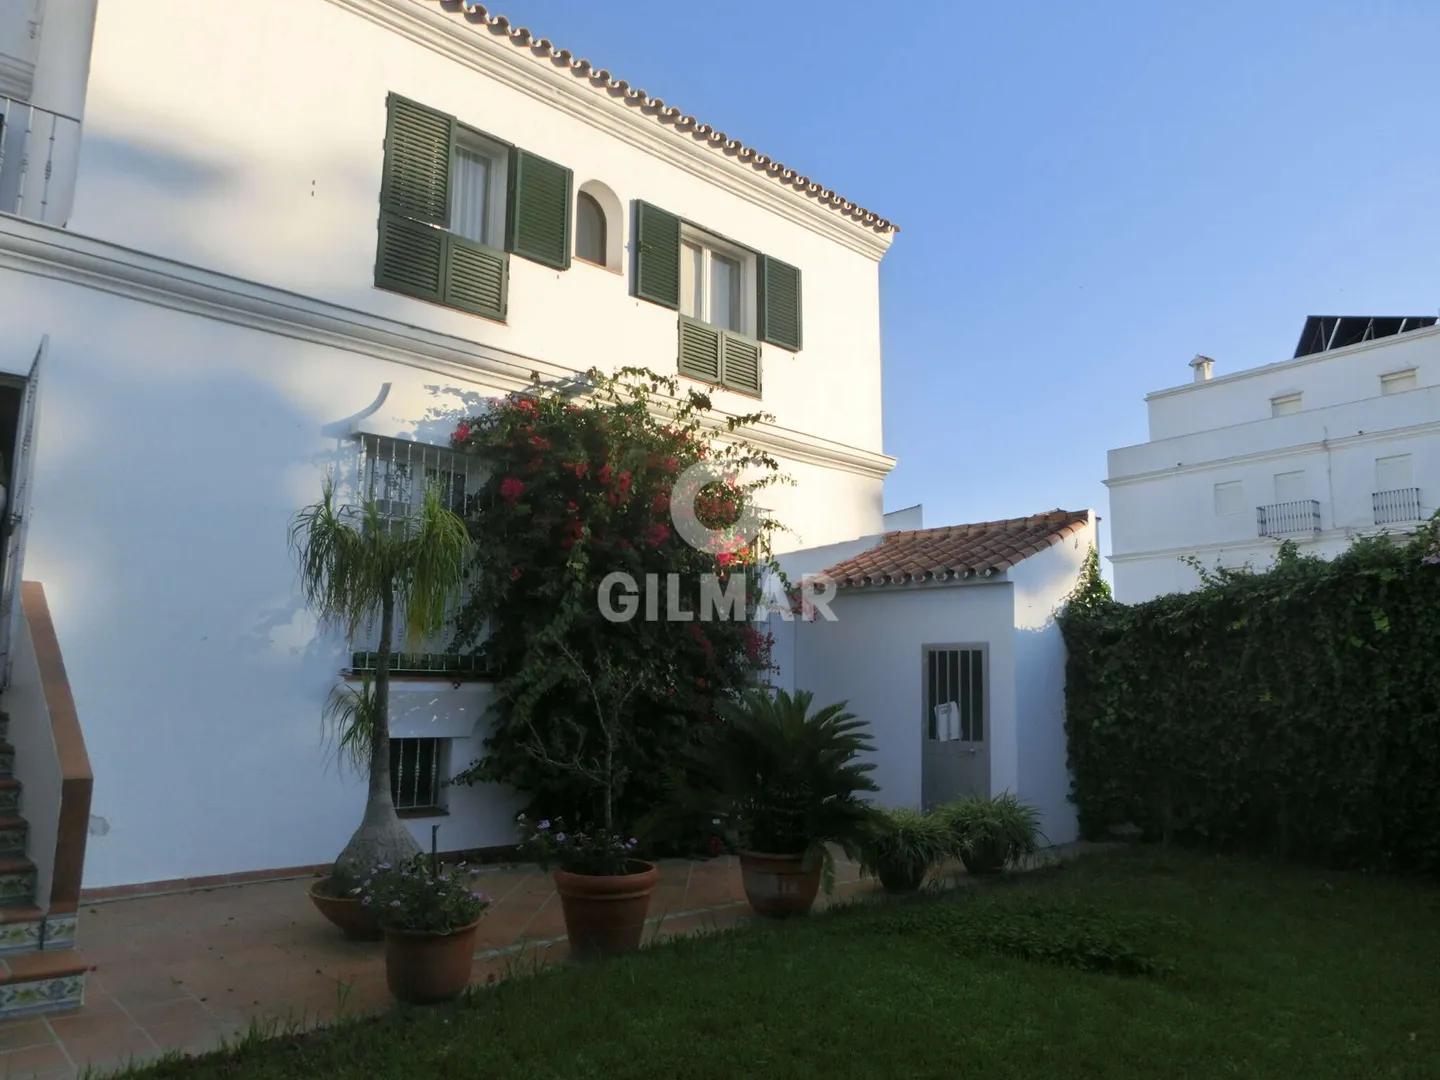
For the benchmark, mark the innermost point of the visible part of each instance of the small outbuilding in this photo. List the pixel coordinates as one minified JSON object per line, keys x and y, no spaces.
{"x":946,"y":641}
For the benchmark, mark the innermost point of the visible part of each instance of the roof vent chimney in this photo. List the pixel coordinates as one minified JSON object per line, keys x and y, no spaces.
{"x":1204,"y":367}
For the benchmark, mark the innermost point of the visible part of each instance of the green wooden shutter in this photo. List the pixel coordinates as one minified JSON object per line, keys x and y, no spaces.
{"x":537,"y":223}
{"x":657,"y":255}
{"x":411,"y":258}
{"x":415,"y":182}
{"x":741,"y":364}
{"x":699,"y":350}
{"x":779,"y":303}
{"x":475,"y":277}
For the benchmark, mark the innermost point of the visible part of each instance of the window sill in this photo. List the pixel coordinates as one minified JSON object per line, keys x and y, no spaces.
{"x":422,"y":812}
{"x":721,"y":386}
{"x":615,"y":270}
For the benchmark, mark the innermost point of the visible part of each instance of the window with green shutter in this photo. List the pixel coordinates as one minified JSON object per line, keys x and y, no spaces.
{"x":539,"y":210}
{"x":450,"y":196}
{"x":657,"y":255}
{"x":779,"y":303}
{"x":722,"y":357}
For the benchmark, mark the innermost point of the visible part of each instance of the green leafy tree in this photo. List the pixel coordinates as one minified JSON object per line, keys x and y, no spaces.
{"x":358,"y":565}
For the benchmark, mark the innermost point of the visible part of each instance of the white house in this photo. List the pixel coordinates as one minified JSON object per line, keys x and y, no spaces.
{"x":1339,"y":441}
{"x":945,"y":641}
{"x":250,"y":243}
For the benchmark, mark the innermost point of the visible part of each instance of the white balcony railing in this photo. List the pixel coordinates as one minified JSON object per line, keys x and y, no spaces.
{"x":39,"y":150}
{"x":1397,"y":505}
{"x":1294,"y":518}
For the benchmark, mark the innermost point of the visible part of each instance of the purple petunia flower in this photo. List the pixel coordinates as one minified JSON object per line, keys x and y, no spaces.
{"x":544,"y":823}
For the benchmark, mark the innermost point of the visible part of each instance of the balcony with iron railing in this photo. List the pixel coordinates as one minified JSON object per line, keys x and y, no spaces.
{"x":1298,"y":517}
{"x":1396,"y":506}
{"x":39,"y":153}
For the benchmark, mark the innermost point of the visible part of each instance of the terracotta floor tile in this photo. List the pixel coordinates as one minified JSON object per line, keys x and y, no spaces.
{"x":35,"y":1061}
{"x":85,"y":1025}
{"x":107,"y":1052}
{"x":17,"y":1034}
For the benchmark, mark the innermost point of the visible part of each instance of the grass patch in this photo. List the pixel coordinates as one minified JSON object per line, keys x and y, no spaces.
{"x":1244,"y":970}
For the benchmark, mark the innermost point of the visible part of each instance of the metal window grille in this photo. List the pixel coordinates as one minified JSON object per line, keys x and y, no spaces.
{"x":1291,"y":518}
{"x":395,"y":473}
{"x":415,"y":769}
{"x":956,"y":675}
{"x":1399,"y":504}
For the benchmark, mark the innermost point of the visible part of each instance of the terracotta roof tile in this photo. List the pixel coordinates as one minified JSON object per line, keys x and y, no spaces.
{"x":543,"y":49}
{"x":957,"y":551}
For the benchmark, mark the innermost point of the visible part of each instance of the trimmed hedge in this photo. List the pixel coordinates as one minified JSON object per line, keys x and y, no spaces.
{"x":1295,"y":711}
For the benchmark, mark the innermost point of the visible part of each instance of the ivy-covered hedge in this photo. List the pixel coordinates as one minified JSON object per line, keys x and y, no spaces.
{"x":1294,"y":711}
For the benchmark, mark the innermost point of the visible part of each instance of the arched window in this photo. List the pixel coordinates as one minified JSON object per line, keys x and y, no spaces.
{"x":589,"y":229}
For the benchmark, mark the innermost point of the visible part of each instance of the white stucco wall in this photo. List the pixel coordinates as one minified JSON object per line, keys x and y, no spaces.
{"x":871,"y":657}
{"x":1162,"y":492}
{"x":172,"y":451}
{"x":248,"y":139}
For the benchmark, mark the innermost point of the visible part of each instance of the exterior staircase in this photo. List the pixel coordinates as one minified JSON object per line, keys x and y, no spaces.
{"x":40,"y":969}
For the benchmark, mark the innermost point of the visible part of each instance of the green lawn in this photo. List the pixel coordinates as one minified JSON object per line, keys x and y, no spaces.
{"x":1232,"y":968}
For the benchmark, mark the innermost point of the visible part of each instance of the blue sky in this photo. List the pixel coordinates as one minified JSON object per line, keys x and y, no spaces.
{"x":1088,"y":195}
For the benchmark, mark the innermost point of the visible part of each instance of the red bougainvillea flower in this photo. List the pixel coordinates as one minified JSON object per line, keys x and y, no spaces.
{"x":511,"y":488}
{"x":657,"y":534}
{"x":539,"y":443}
{"x":604,"y":474}
{"x":579,"y":468}
{"x":660,"y":503}
{"x":571,"y":506}
{"x":526,"y":406}
{"x":515,"y":573}
{"x":462,"y":432}
{"x":725,"y":558}
{"x":671,"y":463}
{"x":623,"y":482}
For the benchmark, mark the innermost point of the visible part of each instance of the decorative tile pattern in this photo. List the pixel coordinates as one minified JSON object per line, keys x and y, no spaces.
{"x":19,"y":885}
{"x":60,"y":931}
{"x":9,"y":800}
{"x":20,"y":936}
{"x":61,"y":992}
{"x":13,"y":839}
{"x":7,"y":762}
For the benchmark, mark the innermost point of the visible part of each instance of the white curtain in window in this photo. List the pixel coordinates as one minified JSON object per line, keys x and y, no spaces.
{"x":724,"y":292}
{"x":692,"y":275}
{"x":471,"y":195}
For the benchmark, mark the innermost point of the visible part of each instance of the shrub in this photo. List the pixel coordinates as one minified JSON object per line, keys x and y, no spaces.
{"x":902,"y":846}
{"x":989,"y":834}
{"x":1295,"y":711}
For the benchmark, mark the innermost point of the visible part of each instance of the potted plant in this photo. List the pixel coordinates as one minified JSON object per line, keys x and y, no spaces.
{"x":902,"y":846}
{"x":604,"y":890}
{"x":356,"y":565}
{"x":790,"y":783}
{"x":429,"y":914}
{"x":990,"y":834}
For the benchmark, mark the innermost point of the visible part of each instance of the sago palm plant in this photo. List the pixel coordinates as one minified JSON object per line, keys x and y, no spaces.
{"x":357,"y":565}
{"x":789,"y":780}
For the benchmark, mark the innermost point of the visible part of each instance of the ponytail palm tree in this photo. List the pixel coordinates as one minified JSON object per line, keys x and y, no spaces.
{"x":357,"y":565}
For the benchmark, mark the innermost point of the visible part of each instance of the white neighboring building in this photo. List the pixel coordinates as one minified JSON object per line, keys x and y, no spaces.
{"x":962,"y":614}
{"x":310,"y":234}
{"x":1340,"y":441}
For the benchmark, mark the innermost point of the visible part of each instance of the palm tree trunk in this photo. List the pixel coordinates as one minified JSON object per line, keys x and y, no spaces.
{"x":381,"y":837}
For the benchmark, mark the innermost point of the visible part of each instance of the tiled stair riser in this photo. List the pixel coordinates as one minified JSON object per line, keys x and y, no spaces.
{"x":13,"y":840}
{"x":24,"y":937}
{"x":17,"y":886}
{"x":7,"y":762}
{"x":42,"y":995}
{"x":9,"y":800}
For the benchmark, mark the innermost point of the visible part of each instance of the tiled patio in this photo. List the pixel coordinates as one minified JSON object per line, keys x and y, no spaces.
{"x":185,"y":971}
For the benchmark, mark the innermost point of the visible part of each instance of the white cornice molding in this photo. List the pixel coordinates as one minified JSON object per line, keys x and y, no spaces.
{"x":1346,"y":533}
{"x":29,"y":247}
{"x":428,"y":25}
{"x":1314,"y":446}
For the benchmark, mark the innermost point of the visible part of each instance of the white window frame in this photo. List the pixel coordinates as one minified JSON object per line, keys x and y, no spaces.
{"x":1395,"y":462}
{"x":498,"y":154}
{"x":1398,"y":382}
{"x":1281,"y":404}
{"x":710,"y":246}
{"x":1221,"y":507}
{"x":1288,"y":477}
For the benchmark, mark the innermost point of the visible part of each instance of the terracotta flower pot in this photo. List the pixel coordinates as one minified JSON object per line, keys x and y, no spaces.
{"x":605,"y":913}
{"x":779,"y":885}
{"x":425,"y":968}
{"x":355,"y":920}
{"x":900,"y":876}
{"x":986,"y":857}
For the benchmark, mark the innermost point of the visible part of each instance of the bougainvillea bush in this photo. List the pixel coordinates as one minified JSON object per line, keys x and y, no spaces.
{"x":579,"y":483}
{"x":1295,"y":711}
